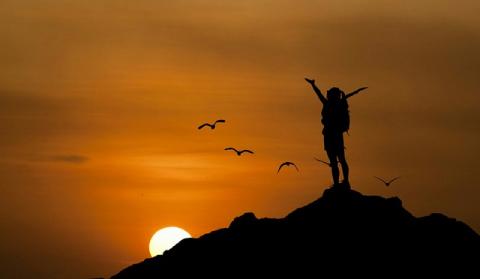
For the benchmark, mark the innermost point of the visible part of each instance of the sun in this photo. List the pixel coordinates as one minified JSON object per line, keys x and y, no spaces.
{"x":165,"y":239}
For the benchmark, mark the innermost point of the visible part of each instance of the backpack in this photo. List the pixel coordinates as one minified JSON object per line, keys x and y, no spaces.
{"x":336,"y":117}
{"x":344,"y":115}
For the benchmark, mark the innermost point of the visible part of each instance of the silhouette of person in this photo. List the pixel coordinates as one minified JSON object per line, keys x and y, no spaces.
{"x":333,"y":128}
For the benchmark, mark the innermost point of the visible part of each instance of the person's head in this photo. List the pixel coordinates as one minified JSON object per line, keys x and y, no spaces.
{"x":334,"y":94}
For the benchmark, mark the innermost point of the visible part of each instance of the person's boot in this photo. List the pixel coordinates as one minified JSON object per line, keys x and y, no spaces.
{"x":345,"y":184}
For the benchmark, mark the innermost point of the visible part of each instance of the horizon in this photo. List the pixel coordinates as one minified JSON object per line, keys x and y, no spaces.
{"x":100,"y":104}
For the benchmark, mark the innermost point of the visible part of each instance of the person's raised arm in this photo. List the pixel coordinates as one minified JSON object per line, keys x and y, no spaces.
{"x":317,"y":91}
{"x":355,"y":92}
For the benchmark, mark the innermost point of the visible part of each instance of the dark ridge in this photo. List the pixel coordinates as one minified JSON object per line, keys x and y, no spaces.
{"x":341,"y":233}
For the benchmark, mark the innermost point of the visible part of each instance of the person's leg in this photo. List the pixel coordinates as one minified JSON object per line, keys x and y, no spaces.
{"x":332,"y":156}
{"x":343,"y":162}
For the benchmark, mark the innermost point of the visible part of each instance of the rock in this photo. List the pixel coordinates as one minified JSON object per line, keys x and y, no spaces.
{"x":343,"y":233}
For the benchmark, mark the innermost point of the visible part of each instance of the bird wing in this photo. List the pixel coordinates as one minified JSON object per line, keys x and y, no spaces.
{"x":231,"y":148}
{"x":247,"y":151}
{"x":380,"y":179}
{"x":295,"y":166}
{"x":283,"y":164}
{"x":219,"y":121}
{"x":393,"y":179}
{"x":203,"y":125}
{"x":321,"y":161}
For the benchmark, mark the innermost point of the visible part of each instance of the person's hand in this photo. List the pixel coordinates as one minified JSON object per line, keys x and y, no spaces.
{"x":311,"y":81}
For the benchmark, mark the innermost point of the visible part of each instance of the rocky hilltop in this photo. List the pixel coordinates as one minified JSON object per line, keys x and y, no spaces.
{"x":341,"y":233}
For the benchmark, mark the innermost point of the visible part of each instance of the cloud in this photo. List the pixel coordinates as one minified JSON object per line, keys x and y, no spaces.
{"x":70,"y":158}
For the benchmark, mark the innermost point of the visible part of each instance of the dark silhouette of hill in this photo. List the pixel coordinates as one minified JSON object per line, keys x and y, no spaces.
{"x":341,"y":233}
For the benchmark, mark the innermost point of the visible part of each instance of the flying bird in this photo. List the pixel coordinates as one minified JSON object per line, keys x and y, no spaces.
{"x":286,"y":164}
{"x":212,"y":126}
{"x":387,"y":183}
{"x":322,"y":161}
{"x":239,"y":152}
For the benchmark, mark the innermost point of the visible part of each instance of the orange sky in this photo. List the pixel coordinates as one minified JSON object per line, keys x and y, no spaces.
{"x":99,"y":104}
